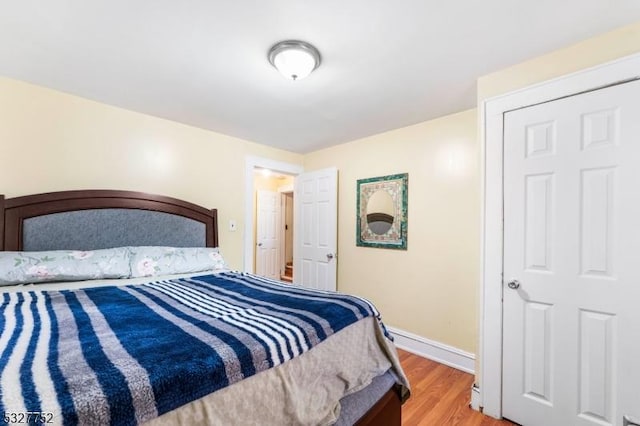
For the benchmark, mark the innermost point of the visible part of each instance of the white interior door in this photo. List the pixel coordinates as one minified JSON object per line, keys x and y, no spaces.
{"x":571,"y":353}
{"x":268,"y":234}
{"x":316,"y":229}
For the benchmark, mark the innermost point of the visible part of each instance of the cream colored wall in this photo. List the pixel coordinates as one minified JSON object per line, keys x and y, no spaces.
{"x":591,"y":52}
{"x":430,"y":289}
{"x":51,"y":141}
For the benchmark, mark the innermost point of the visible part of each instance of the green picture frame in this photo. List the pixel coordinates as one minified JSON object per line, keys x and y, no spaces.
{"x":382,"y":210}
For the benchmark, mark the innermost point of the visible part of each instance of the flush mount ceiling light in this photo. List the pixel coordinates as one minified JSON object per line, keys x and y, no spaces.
{"x":294,"y":59}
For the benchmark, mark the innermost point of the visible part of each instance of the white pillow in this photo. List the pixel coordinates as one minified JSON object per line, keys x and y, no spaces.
{"x":22,"y":267}
{"x":153,"y":261}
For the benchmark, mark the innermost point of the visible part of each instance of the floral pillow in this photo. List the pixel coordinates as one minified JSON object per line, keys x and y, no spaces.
{"x":150,"y":261}
{"x":21,"y":267}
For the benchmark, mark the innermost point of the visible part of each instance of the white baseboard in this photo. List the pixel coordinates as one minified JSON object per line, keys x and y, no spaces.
{"x":436,"y":351}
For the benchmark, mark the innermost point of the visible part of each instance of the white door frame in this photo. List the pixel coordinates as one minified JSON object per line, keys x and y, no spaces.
{"x":283,"y":191}
{"x":491,"y":122}
{"x":251,"y":163}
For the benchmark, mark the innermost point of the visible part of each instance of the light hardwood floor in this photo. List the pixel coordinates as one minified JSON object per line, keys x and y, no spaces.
{"x":439,"y":395}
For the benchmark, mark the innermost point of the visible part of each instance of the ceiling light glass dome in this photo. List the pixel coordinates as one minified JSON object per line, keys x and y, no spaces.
{"x":294,"y":59}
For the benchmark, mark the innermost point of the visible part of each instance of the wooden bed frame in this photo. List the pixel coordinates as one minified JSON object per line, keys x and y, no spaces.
{"x":13,"y":211}
{"x":386,"y":412}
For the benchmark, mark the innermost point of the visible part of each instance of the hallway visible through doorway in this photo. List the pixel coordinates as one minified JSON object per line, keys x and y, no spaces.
{"x":273,"y":225}
{"x":287,"y":203}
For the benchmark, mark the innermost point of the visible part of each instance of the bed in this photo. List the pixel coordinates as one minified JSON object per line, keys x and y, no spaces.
{"x":332,"y":363}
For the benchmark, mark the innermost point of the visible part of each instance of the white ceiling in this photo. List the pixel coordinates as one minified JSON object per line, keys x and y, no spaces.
{"x":386,"y":64}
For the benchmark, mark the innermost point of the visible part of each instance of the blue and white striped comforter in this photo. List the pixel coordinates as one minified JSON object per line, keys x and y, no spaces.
{"x":124,"y":355}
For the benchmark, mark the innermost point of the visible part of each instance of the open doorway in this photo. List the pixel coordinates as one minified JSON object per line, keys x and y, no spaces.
{"x":273,"y":224}
{"x":315,"y":220}
{"x":269,"y":218}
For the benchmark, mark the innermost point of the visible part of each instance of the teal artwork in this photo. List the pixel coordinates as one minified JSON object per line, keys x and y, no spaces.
{"x":382,"y":204}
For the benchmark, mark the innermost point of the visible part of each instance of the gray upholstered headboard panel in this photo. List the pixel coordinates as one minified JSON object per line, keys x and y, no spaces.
{"x":106,"y":228}
{"x":89,"y":220}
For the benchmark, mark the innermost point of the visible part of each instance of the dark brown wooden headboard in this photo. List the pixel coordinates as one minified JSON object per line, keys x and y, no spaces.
{"x":13,"y":211}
